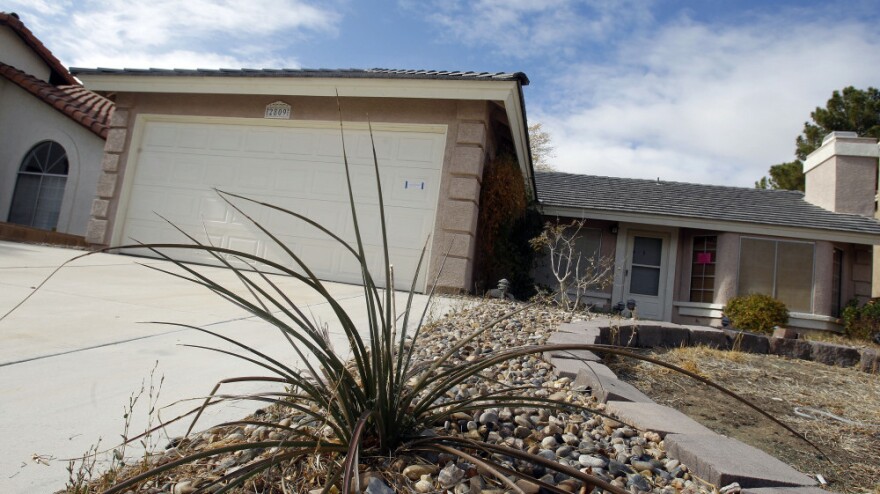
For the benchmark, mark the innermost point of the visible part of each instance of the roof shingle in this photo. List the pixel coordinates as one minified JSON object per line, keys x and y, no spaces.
{"x":318,"y":73}
{"x":712,"y":202}
{"x":86,"y":108}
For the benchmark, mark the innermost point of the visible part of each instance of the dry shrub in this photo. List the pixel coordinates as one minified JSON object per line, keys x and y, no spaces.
{"x":505,"y":226}
{"x":756,"y":312}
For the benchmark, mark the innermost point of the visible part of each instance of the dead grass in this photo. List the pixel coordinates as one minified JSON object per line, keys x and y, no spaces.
{"x":839,"y":339}
{"x":780,"y":386}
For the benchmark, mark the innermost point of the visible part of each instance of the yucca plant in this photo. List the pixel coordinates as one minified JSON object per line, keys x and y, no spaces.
{"x":381,"y":401}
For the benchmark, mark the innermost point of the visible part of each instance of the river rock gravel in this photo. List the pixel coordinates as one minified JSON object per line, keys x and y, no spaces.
{"x":632,"y":460}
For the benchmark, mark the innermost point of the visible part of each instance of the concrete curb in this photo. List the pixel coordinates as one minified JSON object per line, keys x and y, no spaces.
{"x":713,"y":457}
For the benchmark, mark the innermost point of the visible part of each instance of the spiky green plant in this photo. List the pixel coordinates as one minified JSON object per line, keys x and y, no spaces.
{"x":378,"y":402}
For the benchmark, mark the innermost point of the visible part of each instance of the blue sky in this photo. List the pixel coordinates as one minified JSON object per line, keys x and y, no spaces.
{"x":711,"y":91}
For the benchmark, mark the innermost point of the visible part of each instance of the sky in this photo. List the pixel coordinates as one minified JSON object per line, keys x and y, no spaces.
{"x":707,"y":91}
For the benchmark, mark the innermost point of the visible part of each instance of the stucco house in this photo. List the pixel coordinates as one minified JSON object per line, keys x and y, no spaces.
{"x":681,"y":251}
{"x":52,"y":133}
{"x":274,"y":135}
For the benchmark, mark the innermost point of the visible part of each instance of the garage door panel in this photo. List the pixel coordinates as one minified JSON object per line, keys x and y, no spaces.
{"x":258,"y":176}
{"x":416,"y":150}
{"x":299,"y":169}
{"x":294,"y":178}
{"x":154,"y":168}
{"x":226,"y":139}
{"x":164,"y":136}
{"x":297,"y":144}
{"x":361,"y":148}
{"x":280,"y":223}
{"x":329,"y":184}
{"x":260,"y":142}
{"x":214,"y":210}
{"x":319,"y":257}
{"x":188,"y":172}
{"x":329,"y":145}
{"x":189,"y":137}
{"x":248,"y":245}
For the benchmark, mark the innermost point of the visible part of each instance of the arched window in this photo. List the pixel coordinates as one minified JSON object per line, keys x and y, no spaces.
{"x":39,"y":189}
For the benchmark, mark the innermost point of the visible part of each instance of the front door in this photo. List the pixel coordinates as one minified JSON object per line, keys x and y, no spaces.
{"x":645,"y":275}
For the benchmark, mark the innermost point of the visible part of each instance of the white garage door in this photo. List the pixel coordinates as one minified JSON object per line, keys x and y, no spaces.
{"x":297,"y":168}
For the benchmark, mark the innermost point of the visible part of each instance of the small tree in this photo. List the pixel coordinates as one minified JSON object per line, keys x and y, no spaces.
{"x":540,"y":147}
{"x":575,"y":273}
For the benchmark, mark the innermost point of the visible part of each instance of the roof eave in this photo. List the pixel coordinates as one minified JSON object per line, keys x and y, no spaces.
{"x":854,"y":237}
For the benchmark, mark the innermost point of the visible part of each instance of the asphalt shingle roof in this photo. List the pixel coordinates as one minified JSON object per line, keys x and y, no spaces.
{"x":321,"y":73}
{"x":712,"y":202}
{"x":76,"y":102}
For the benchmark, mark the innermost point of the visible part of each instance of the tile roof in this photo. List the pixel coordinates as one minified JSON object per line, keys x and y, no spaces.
{"x":59,"y":73}
{"x":711,"y":202}
{"x":322,"y":73}
{"x":83,"y":106}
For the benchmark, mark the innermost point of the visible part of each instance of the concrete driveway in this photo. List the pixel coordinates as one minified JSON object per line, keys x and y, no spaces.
{"x":73,"y":355}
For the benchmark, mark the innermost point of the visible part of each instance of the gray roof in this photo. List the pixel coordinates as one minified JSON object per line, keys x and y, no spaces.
{"x":711,"y":202}
{"x":322,"y":73}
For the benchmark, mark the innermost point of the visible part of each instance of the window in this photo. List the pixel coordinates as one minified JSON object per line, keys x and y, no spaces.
{"x":778,"y":268}
{"x":587,"y":244}
{"x":39,"y":189}
{"x":837,"y":283}
{"x":703,"y":268}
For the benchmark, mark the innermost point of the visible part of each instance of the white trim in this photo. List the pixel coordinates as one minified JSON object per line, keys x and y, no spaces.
{"x":717,"y":225}
{"x":814,"y":321}
{"x":866,"y":147}
{"x":699,"y":309}
{"x":307,"y":124}
{"x":305,"y":86}
{"x":519,"y":132}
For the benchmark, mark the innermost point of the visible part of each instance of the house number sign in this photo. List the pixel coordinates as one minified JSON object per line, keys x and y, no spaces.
{"x":278,"y":110}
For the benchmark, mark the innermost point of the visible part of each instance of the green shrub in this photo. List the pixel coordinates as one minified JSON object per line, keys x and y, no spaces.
{"x":756,"y":312}
{"x":861,"y":322}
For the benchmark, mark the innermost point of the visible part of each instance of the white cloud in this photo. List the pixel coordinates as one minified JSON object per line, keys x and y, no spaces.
{"x":700,"y":103}
{"x":175,"y":34}
{"x":521,"y":28}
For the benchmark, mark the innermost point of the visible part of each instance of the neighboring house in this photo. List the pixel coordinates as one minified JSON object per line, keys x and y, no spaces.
{"x":274,"y":135}
{"x":52,"y":135}
{"x":681,"y":251}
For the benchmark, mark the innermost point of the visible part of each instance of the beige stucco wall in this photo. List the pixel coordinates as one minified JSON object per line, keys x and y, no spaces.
{"x":26,"y":121}
{"x":14,"y":52}
{"x":845,"y":184}
{"x":465,"y":155}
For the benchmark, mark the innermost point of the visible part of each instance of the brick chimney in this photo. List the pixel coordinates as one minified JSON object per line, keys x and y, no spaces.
{"x":841,"y":175}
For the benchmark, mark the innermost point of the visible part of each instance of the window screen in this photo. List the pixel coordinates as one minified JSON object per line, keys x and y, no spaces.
{"x":778,"y":268}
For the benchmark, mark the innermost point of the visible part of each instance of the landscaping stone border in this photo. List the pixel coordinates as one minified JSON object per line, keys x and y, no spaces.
{"x":655,"y":334}
{"x":712,"y":457}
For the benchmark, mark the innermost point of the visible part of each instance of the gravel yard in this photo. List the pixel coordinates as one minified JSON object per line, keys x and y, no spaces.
{"x":630,"y":459}
{"x":800,"y":393}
